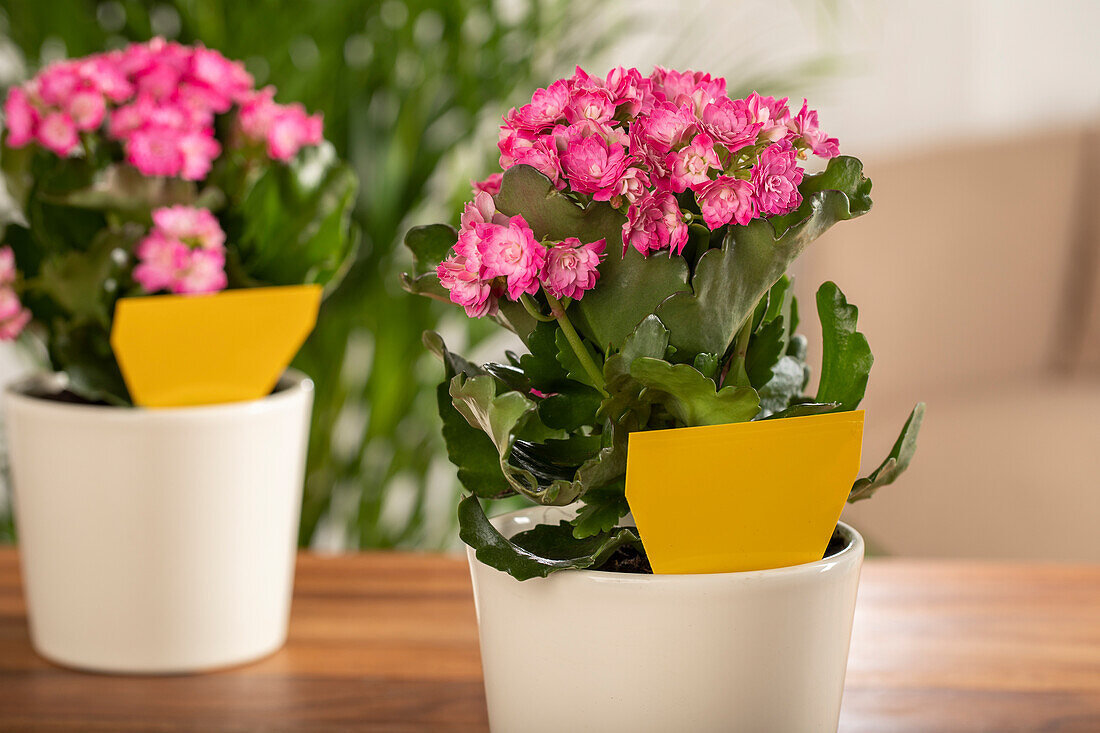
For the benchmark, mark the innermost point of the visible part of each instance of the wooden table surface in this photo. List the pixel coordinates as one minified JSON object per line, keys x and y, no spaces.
{"x":388,"y":642}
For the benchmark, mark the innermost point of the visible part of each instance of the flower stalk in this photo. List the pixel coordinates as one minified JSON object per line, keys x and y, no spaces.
{"x":574,"y":339}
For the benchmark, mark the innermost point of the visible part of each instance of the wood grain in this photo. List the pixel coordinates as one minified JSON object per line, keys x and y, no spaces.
{"x":388,"y":642}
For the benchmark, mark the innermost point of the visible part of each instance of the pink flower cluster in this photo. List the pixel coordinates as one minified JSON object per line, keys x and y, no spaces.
{"x":159,"y":100}
{"x":13,"y":316}
{"x":496,"y":257}
{"x":638,"y":141}
{"x":184,"y":253}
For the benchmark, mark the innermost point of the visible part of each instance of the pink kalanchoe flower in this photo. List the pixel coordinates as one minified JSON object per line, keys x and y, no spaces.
{"x":676,"y":86}
{"x":490,"y":185}
{"x":202,"y":272}
{"x":7,"y":266}
{"x":771,"y":113}
{"x":57,"y":132}
{"x":20,"y":117}
{"x":593,"y":166}
{"x":198,"y":151}
{"x":726,"y":199}
{"x":511,"y":252}
{"x":655,"y":223}
{"x":222,"y":80}
{"x":690,"y":166}
{"x":160,"y":258}
{"x":511,"y":141}
{"x":256,"y":112}
{"x":482,"y":210}
{"x":155,"y":151}
{"x":590,"y":105}
{"x":805,"y":131}
{"x":87,"y":109}
{"x":666,"y":126}
{"x":57,"y":83}
{"x":630,"y":187}
{"x":291,"y":129}
{"x":13,"y":316}
{"x":104,"y":75}
{"x":460,"y":274}
{"x":542,"y":156}
{"x":571,"y":268}
{"x":630,"y":91}
{"x":546,"y":108}
{"x":195,"y":227}
{"x":730,"y":122}
{"x":775,"y":179}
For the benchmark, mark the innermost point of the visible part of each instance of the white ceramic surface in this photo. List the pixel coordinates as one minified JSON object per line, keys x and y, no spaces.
{"x":758,"y":652}
{"x":158,"y":541}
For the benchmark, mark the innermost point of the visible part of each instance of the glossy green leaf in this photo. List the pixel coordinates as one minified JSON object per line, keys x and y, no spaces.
{"x":730,"y":281}
{"x":846,"y":357}
{"x":896,"y":461}
{"x":602,"y":510}
{"x":430,"y":245}
{"x":294,"y":223}
{"x":571,"y":363}
{"x":560,"y":550}
{"x":691,"y":397}
{"x":468,"y":448}
{"x":802,"y":409}
{"x":765,"y":349}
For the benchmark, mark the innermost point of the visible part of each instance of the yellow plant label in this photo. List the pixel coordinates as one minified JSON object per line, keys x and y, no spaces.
{"x":745,"y":496}
{"x":185,"y":350}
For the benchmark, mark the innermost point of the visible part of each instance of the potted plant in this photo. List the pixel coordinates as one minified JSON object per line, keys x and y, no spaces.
{"x":158,"y":467}
{"x":637,"y":244}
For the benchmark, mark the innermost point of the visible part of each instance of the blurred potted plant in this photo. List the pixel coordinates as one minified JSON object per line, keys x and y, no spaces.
{"x":148,"y":180}
{"x":637,"y":244}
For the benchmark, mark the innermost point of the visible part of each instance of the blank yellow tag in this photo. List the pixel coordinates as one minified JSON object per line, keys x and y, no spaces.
{"x":746,"y":496}
{"x":183,"y":350}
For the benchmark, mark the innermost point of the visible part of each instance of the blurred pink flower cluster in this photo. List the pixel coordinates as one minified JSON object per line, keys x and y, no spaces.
{"x":158,"y":100}
{"x":184,"y":252}
{"x":637,"y":142}
{"x":497,"y":256}
{"x":13,"y":316}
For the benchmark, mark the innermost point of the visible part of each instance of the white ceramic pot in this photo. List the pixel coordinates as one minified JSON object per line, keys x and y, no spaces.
{"x":157,"y":541}
{"x":760,"y":652}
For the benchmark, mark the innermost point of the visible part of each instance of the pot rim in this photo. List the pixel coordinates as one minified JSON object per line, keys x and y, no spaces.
{"x":293,"y":384}
{"x":852,"y":553}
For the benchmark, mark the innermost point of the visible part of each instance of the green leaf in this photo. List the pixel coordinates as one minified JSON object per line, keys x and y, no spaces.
{"x":805,"y":408}
{"x":730,"y":281}
{"x":85,"y":282}
{"x":630,"y":286}
{"x":540,"y":469}
{"x":571,"y":409}
{"x":765,"y":348}
{"x":896,"y":462}
{"x":602,"y":510}
{"x":707,"y":364}
{"x":294,"y":223}
{"x":123,"y":189}
{"x":691,"y":397}
{"x":650,"y":338}
{"x":83,"y":351}
{"x":845,"y":355}
{"x":493,"y":549}
{"x":844,"y":174}
{"x":430,"y":245}
{"x":541,"y":365}
{"x":571,"y":363}
{"x":468,"y":448}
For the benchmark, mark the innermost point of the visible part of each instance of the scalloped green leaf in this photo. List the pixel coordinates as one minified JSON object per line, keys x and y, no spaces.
{"x":631,"y":286}
{"x":430,"y":245}
{"x":493,"y":549}
{"x":691,"y":397}
{"x":846,"y":357}
{"x":730,"y":281}
{"x":468,"y":448}
{"x":896,"y":461}
{"x":602,"y":510}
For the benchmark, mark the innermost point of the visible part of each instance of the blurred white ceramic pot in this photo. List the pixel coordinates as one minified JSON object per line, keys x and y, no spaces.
{"x":598,"y":651}
{"x":157,"y":541}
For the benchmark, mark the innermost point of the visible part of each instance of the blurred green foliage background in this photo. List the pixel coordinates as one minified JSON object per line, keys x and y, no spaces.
{"x":404,"y":85}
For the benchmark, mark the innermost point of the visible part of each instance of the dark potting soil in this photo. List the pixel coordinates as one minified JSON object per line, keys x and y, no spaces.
{"x":629,"y":559}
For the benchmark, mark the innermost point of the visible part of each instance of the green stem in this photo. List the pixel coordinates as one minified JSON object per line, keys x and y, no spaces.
{"x":533,"y":309}
{"x":741,"y":349}
{"x":574,"y":340}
